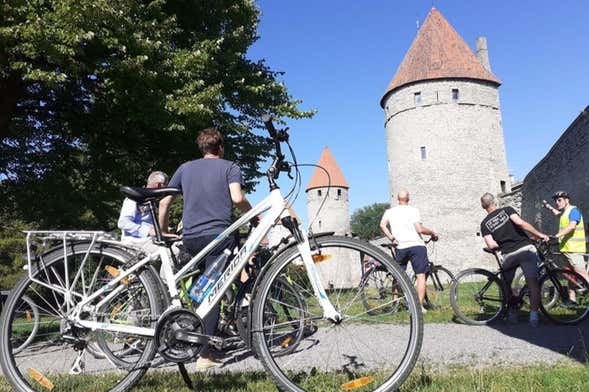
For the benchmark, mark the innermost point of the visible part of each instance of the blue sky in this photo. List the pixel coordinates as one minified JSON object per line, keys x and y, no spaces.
{"x":339,"y":56}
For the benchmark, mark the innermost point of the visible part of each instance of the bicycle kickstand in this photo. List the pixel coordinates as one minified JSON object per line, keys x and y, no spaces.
{"x":185,"y":376}
{"x":79,"y":363}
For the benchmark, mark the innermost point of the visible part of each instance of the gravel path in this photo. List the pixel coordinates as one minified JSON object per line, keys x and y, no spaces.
{"x":444,"y":346}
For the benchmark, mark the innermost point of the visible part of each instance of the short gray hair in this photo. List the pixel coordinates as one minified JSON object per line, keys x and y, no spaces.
{"x":157,"y":177}
{"x":487,"y":200}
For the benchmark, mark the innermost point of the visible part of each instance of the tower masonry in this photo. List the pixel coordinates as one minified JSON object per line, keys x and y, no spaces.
{"x":445,"y":139}
{"x":328,"y":211}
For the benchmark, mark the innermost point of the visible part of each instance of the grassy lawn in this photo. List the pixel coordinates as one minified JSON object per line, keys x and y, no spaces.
{"x":536,"y":378}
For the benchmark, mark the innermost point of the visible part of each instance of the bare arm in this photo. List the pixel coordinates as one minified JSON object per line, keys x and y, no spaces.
{"x":421,"y":229}
{"x":490,"y":242}
{"x":237,"y":197}
{"x":550,"y":208}
{"x":569,"y":229}
{"x":518,"y":221}
{"x":164,"y":211}
{"x":384,"y":228}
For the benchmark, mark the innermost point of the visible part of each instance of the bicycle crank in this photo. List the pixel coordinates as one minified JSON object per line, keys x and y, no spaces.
{"x":178,"y":335}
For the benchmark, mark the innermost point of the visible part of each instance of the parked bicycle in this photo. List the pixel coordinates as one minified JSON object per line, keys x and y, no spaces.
{"x":99,"y":291}
{"x":479,"y":296}
{"x":378,"y":284}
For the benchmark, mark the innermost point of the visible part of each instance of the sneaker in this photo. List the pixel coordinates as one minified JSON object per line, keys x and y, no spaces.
{"x":568,"y":304}
{"x":203,"y":363}
{"x":513,"y":316}
{"x":534,"y":319}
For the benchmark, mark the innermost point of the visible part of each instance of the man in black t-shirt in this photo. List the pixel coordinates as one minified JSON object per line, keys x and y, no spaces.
{"x":505,"y":230}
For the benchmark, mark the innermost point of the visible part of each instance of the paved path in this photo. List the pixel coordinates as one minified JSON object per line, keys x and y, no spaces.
{"x":444,"y":346}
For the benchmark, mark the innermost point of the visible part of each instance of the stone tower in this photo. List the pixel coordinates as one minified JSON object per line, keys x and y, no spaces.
{"x":343,"y":268}
{"x":334,"y":215}
{"x":444,"y":137}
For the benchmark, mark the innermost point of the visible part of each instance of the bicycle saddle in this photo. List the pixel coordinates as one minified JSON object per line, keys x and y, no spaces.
{"x":142,"y":195}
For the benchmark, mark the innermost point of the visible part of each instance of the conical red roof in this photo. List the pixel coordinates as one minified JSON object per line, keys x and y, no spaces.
{"x":438,"y":52}
{"x":320,"y":179}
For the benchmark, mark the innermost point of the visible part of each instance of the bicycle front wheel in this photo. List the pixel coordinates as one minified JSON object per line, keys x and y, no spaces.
{"x":568,"y":302}
{"x":362,"y":352}
{"x":59,"y":348}
{"x":437,"y":290}
{"x":478,"y":297}
{"x":377,"y":286}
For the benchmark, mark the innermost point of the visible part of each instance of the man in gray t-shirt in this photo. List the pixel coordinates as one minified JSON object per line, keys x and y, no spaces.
{"x":210,"y":187}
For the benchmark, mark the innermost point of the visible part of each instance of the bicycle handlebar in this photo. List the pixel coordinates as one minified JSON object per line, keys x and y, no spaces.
{"x":278,"y":136}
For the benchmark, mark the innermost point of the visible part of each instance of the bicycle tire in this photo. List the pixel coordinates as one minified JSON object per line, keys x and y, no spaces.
{"x":376,"y":284}
{"x":53,"y":347}
{"x":478,"y":297}
{"x":385,"y":346}
{"x":562,"y":310}
{"x":30,"y":312}
{"x":437,"y":289}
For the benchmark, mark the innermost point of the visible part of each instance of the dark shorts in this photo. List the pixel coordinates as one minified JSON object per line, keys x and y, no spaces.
{"x":418,"y":257}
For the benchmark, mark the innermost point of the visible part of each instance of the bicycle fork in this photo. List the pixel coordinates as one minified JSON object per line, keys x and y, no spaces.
{"x":301,"y":237}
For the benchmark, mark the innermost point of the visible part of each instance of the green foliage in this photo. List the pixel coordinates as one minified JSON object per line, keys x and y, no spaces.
{"x":12,"y":252}
{"x":366,"y":221}
{"x":96,"y":94}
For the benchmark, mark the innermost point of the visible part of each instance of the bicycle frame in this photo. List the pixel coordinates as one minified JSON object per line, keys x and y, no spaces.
{"x":274,"y":204}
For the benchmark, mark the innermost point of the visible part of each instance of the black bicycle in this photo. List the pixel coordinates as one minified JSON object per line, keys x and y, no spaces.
{"x":378,"y":284}
{"x":479,"y":296}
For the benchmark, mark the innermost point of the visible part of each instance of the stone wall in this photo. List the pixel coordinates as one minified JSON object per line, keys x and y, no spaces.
{"x":513,"y":198}
{"x":447,"y":152}
{"x":565,"y":167}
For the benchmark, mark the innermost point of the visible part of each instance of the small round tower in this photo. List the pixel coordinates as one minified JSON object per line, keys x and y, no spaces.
{"x":444,"y":137}
{"x":328,"y":210}
{"x":334,"y":214}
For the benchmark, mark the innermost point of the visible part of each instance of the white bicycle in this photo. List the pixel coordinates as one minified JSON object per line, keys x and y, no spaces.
{"x":92,"y":291}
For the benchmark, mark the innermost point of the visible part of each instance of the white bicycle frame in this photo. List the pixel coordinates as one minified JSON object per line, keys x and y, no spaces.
{"x":273,"y":203}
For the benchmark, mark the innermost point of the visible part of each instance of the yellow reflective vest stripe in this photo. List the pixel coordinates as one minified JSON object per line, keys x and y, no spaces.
{"x":574,"y":242}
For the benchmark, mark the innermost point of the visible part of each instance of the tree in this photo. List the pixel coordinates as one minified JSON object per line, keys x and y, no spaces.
{"x":97,"y":93}
{"x":366,"y":221}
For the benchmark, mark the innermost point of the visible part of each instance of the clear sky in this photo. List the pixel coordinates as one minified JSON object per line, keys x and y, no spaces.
{"x":339,"y":56}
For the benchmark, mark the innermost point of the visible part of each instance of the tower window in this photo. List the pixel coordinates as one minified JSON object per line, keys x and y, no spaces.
{"x":339,"y":194}
{"x":319,"y":192}
{"x":503,"y":186}
{"x":423,"y":153}
{"x":455,"y":94}
{"x":417,"y":98}
{"x":319,"y":222}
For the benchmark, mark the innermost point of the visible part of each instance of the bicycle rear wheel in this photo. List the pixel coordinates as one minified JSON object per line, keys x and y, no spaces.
{"x":437,"y":290}
{"x":26,"y":319}
{"x":362,"y":352}
{"x":559,"y":307}
{"x":59,"y":347}
{"x":377,"y":286}
{"x":478,"y":297}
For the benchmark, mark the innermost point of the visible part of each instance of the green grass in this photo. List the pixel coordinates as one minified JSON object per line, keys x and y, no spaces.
{"x":534,"y":378}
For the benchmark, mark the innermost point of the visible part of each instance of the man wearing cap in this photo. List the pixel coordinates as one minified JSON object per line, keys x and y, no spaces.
{"x":571,"y":233}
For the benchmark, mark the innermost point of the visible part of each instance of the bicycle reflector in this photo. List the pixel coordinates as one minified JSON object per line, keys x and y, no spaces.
{"x":114,"y":272}
{"x":41,"y":379}
{"x":321,"y":258}
{"x":357,"y":383}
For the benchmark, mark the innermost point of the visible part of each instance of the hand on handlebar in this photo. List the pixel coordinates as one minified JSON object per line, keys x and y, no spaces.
{"x":434,"y":236}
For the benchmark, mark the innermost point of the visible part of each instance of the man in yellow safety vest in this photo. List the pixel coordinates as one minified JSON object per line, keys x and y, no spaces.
{"x":571,"y":233}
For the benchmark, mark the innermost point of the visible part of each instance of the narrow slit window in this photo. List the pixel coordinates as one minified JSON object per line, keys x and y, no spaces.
{"x":339,"y":194}
{"x":423,"y":153}
{"x":417,"y":98}
{"x":319,"y":192}
{"x":455,"y":94}
{"x":503,"y":186}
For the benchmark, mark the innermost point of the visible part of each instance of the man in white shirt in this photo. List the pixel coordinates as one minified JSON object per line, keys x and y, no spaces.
{"x":402,"y":225}
{"x":135,"y":222}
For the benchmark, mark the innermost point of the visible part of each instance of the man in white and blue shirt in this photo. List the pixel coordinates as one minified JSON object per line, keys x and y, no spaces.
{"x":135,"y":221}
